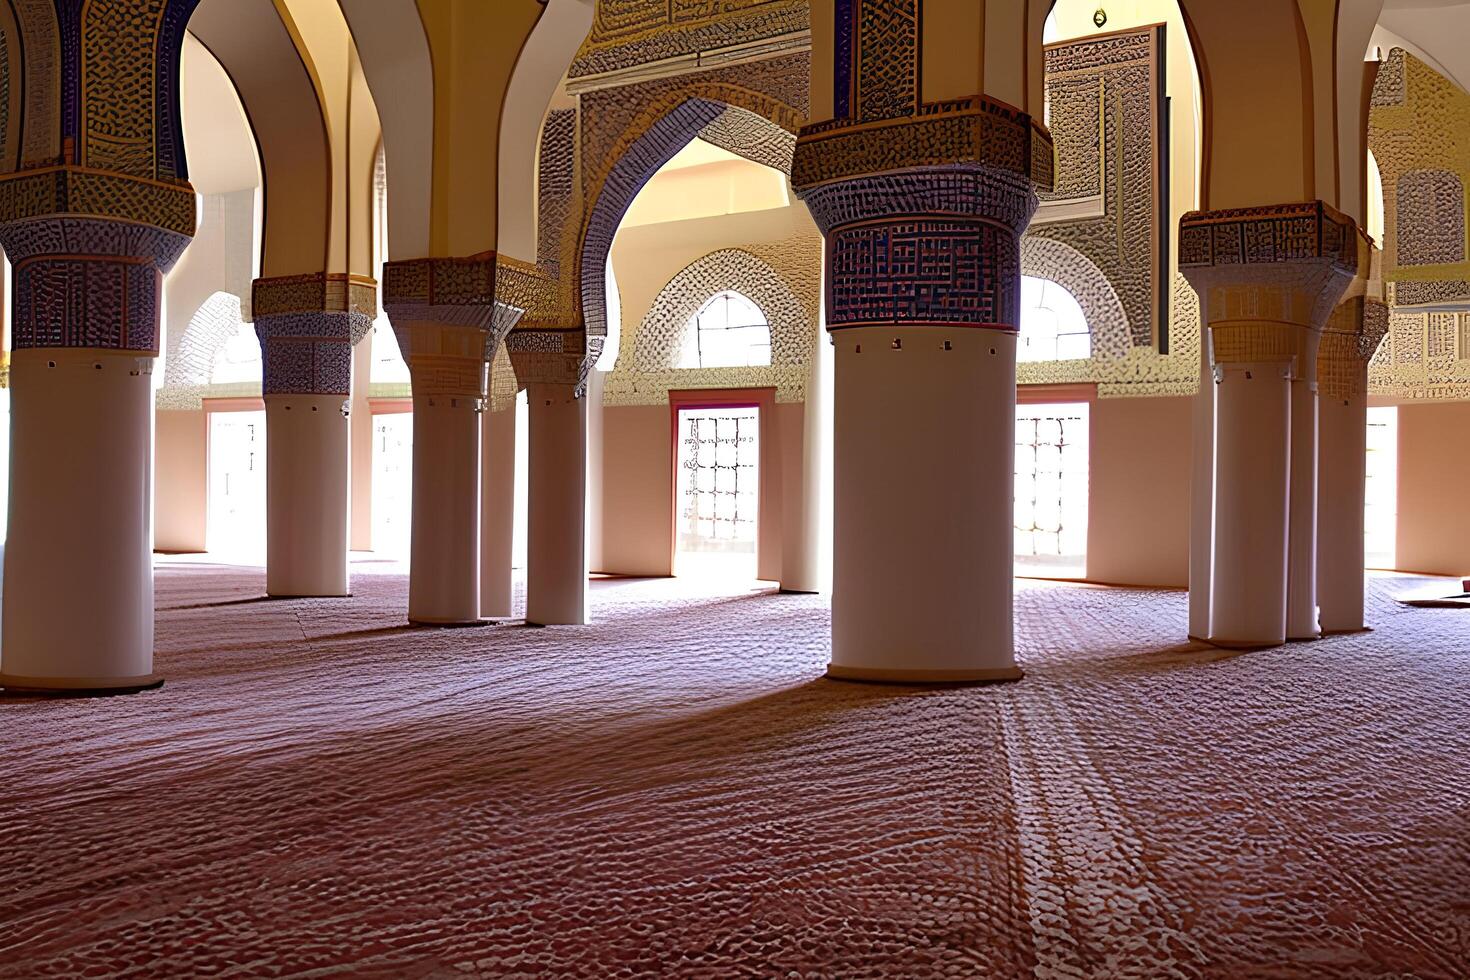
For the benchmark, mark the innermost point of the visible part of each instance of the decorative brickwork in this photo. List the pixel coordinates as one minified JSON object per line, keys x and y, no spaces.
{"x":1349,"y":341}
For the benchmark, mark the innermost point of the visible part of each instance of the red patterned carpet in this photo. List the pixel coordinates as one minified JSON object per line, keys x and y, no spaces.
{"x":676,"y":791}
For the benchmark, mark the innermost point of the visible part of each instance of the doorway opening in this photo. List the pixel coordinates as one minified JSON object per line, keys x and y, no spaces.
{"x":717,"y":492}
{"x":1380,"y":492}
{"x":1051,"y":490}
{"x":392,"y":482}
{"x":236,"y":516}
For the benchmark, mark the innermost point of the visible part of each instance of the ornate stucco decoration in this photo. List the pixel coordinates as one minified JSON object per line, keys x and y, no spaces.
{"x":630,"y":33}
{"x":1108,"y":119}
{"x":1419,"y":132}
{"x":446,"y":320}
{"x":782,"y":278}
{"x":1270,"y":277}
{"x":307,"y":327}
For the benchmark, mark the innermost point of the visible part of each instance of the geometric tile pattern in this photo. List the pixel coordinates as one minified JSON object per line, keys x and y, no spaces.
{"x":1281,"y":233}
{"x":923,"y":247}
{"x":676,"y":791}
{"x":82,"y":282}
{"x":309,"y":353}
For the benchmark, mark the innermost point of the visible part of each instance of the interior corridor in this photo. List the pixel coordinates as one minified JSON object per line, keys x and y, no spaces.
{"x":678,"y":789}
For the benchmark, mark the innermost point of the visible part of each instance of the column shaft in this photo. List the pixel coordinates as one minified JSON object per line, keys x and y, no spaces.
{"x":1268,"y":279}
{"x":923,"y":510}
{"x":497,"y":586}
{"x":556,"y":586}
{"x":444,"y":580}
{"x":1344,"y":474}
{"x":78,"y":562}
{"x":1302,"y":622}
{"x":307,"y":489}
{"x":1202,"y":499}
{"x":1252,"y":491}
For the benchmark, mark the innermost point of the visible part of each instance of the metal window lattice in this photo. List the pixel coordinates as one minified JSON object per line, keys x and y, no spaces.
{"x":719,"y":505}
{"x":1045,"y":447}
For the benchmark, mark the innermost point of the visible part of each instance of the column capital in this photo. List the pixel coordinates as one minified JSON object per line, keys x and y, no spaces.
{"x":1349,"y":340}
{"x":556,"y":357}
{"x":924,"y":247}
{"x":317,"y":292}
{"x":1269,"y":277}
{"x":442,"y":290}
{"x":975,"y":132}
{"x":307,"y":326}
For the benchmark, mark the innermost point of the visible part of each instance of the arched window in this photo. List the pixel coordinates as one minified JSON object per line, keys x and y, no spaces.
{"x":238,"y":359}
{"x":1053,"y":327}
{"x":728,"y":331}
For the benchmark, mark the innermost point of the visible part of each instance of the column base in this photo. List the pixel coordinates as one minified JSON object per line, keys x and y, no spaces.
{"x":1349,"y":631}
{"x":1239,"y":644}
{"x":448,"y":623}
{"x":884,"y":675}
{"x":308,"y":595}
{"x":79,"y":687}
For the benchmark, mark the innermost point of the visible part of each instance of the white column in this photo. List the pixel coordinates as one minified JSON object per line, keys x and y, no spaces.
{"x":1344,"y":474}
{"x":78,"y":561}
{"x":307,"y":488}
{"x":924,"y":457}
{"x":1252,"y":491}
{"x":556,"y":579}
{"x":444,"y":571}
{"x":498,"y":514}
{"x":1302,"y":621}
{"x":1202,"y":498}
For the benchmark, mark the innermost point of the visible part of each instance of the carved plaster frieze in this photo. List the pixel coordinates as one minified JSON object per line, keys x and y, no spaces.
{"x":1270,"y":276}
{"x":977,"y":131}
{"x":315,"y":293}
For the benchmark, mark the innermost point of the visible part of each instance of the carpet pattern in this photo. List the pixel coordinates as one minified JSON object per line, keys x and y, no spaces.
{"x":322,"y":790}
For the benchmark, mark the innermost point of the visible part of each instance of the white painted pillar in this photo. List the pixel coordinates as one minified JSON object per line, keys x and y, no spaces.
{"x":78,"y":561}
{"x":1302,"y":621}
{"x":1344,"y":475}
{"x":924,"y":456}
{"x":556,"y":580}
{"x":497,"y":586}
{"x":1252,"y":497}
{"x":1202,"y":498}
{"x":444,"y":572}
{"x":308,"y":484}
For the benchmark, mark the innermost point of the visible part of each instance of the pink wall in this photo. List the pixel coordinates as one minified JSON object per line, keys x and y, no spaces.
{"x":1434,"y":481}
{"x":637,"y":491}
{"x":181,"y":480}
{"x":1138,"y":516}
{"x":638,"y":486}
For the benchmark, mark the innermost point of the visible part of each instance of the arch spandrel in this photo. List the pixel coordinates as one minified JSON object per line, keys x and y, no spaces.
{"x":623,"y":136}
